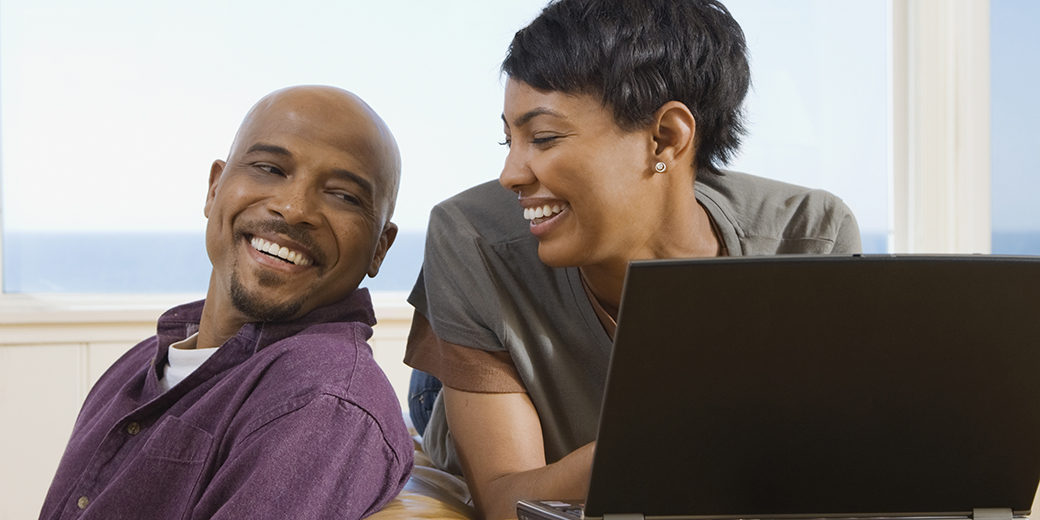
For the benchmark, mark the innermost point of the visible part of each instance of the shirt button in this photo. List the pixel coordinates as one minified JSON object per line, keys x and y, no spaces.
{"x":83,"y":502}
{"x":133,"y":428}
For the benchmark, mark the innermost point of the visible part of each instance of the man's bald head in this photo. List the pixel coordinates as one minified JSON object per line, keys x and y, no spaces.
{"x":340,"y":112}
{"x":299,"y":213}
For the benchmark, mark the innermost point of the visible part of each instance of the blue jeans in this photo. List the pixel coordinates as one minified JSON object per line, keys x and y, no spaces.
{"x":422,"y":392}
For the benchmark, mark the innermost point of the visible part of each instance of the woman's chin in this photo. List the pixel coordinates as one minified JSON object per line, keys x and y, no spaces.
{"x":556,"y":255}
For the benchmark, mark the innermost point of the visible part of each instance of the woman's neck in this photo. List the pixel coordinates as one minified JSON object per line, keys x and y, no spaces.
{"x":691,"y":236}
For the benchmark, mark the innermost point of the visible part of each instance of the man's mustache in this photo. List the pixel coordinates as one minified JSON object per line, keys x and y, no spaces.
{"x":299,"y":235}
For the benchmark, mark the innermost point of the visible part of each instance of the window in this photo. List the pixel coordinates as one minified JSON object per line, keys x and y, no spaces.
{"x":111,"y":114}
{"x":819,"y":101}
{"x":1016,"y":167}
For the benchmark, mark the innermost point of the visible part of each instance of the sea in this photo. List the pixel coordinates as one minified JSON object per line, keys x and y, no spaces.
{"x":49,"y":262}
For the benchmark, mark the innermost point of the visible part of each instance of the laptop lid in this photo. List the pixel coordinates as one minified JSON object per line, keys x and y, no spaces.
{"x":822,"y":386}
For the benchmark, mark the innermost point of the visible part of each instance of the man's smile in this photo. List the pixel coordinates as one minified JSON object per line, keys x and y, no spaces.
{"x":277,"y":251}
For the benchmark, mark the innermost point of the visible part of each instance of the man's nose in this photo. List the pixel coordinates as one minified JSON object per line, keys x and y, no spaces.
{"x":297,"y":204}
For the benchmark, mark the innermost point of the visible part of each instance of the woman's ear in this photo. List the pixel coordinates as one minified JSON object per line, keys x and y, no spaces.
{"x":675,"y":131}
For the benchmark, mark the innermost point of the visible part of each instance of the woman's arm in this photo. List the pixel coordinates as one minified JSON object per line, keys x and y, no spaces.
{"x":499,"y":441}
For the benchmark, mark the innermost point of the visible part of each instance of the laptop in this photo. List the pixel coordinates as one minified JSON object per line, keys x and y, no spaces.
{"x":820,"y":387}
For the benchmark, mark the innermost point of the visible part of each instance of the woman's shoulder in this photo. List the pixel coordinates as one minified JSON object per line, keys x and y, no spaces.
{"x":743,"y":190}
{"x":486,"y":211}
{"x":776,"y":214}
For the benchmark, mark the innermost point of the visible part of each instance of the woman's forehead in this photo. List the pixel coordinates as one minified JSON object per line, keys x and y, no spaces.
{"x":524,"y":103}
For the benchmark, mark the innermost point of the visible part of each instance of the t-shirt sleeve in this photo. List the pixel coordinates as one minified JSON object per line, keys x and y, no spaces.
{"x":455,"y":290}
{"x":847,"y":238}
{"x":461,"y":368}
{"x":323,"y":458}
{"x":458,"y":324}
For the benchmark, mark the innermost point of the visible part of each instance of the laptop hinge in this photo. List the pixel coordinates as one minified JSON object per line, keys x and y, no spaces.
{"x":628,"y":516}
{"x":992,"y":514}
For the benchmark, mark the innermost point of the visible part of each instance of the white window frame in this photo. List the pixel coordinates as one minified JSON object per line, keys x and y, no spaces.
{"x":939,"y":113}
{"x":939,"y":175}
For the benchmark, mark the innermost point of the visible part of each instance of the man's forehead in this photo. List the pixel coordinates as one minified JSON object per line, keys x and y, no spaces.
{"x":340,"y":121}
{"x":304,"y":114}
{"x":319,"y":114}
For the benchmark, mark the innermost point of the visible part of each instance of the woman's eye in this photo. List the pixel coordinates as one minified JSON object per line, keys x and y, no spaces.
{"x":545,"y":140}
{"x":507,"y":142}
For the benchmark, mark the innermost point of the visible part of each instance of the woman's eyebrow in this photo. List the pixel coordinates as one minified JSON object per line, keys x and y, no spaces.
{"x":531,"y":114}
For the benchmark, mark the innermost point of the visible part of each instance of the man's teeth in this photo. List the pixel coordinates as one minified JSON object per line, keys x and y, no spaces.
{"x":281,"y":252}
{"x":543,"y":211}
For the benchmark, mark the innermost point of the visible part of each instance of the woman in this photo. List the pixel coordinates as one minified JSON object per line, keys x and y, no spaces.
{"x":617,"y":114}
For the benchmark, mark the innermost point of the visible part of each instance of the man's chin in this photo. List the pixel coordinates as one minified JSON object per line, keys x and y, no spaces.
{"x":258,"y":309}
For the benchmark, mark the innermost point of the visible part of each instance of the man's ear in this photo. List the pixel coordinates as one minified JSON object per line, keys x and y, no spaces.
{"x":386,"y":239}
{"x":675,"y":131}
{"x":214,"y":179}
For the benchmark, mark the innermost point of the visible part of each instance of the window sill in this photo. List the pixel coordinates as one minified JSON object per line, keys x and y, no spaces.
{"x":47,"y":318}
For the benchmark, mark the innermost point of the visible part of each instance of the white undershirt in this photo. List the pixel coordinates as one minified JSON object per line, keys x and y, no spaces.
{"x":183,"y":359}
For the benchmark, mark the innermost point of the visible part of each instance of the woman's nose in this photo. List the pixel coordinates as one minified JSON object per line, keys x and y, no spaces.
{"x":515,"y":173}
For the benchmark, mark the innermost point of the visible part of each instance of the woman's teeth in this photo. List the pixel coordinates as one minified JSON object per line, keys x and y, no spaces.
{"x":545,"y":211}
{"x":281,"y":252}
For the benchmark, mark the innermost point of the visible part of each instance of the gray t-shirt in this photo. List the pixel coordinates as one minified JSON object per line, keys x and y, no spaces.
{"x":483,"y":286}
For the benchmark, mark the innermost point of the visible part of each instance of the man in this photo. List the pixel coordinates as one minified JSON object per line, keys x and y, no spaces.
{"x":263,"y":400}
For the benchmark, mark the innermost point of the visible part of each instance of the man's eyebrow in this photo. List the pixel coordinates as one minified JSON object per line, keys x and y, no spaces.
{"x":269,"y":148}
{"x":527,"y":117}
{"x":364,"y":183}
{"x":348,"y":175}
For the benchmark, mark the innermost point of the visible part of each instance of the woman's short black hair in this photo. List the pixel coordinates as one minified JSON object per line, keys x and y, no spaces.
{"x":639,"y":55}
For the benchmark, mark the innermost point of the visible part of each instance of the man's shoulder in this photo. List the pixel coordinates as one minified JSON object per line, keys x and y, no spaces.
{"x":326,"y":360}
{"x":326,"y":370}
{"x":322,"y":354}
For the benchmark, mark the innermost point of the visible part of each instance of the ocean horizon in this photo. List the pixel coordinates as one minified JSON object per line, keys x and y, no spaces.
{"x":53,"y":262}
{"x":131,"y":262}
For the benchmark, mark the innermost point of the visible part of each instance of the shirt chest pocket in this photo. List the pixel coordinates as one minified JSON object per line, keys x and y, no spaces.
{"x":175,"y":441}
{"x":161,"y":479}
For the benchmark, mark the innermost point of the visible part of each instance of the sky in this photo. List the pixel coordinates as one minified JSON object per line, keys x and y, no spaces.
{"x":111,"y":112}
{"x":1015,"y":82}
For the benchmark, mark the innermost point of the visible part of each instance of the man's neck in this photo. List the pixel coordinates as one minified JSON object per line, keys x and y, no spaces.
{"x":220,"y":319}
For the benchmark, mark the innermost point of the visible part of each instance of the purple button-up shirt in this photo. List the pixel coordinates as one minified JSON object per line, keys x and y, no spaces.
{"x":285,"y":420}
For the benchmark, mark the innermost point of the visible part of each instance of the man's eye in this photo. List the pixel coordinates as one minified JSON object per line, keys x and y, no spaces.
{"x":349,"y":198}
{"x":270,"y":169}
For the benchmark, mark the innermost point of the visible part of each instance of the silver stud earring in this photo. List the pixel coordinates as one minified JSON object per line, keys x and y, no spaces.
{"x":660,"y":167}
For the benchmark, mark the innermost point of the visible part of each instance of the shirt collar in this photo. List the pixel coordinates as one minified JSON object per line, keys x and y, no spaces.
{"x":182,"y":321}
